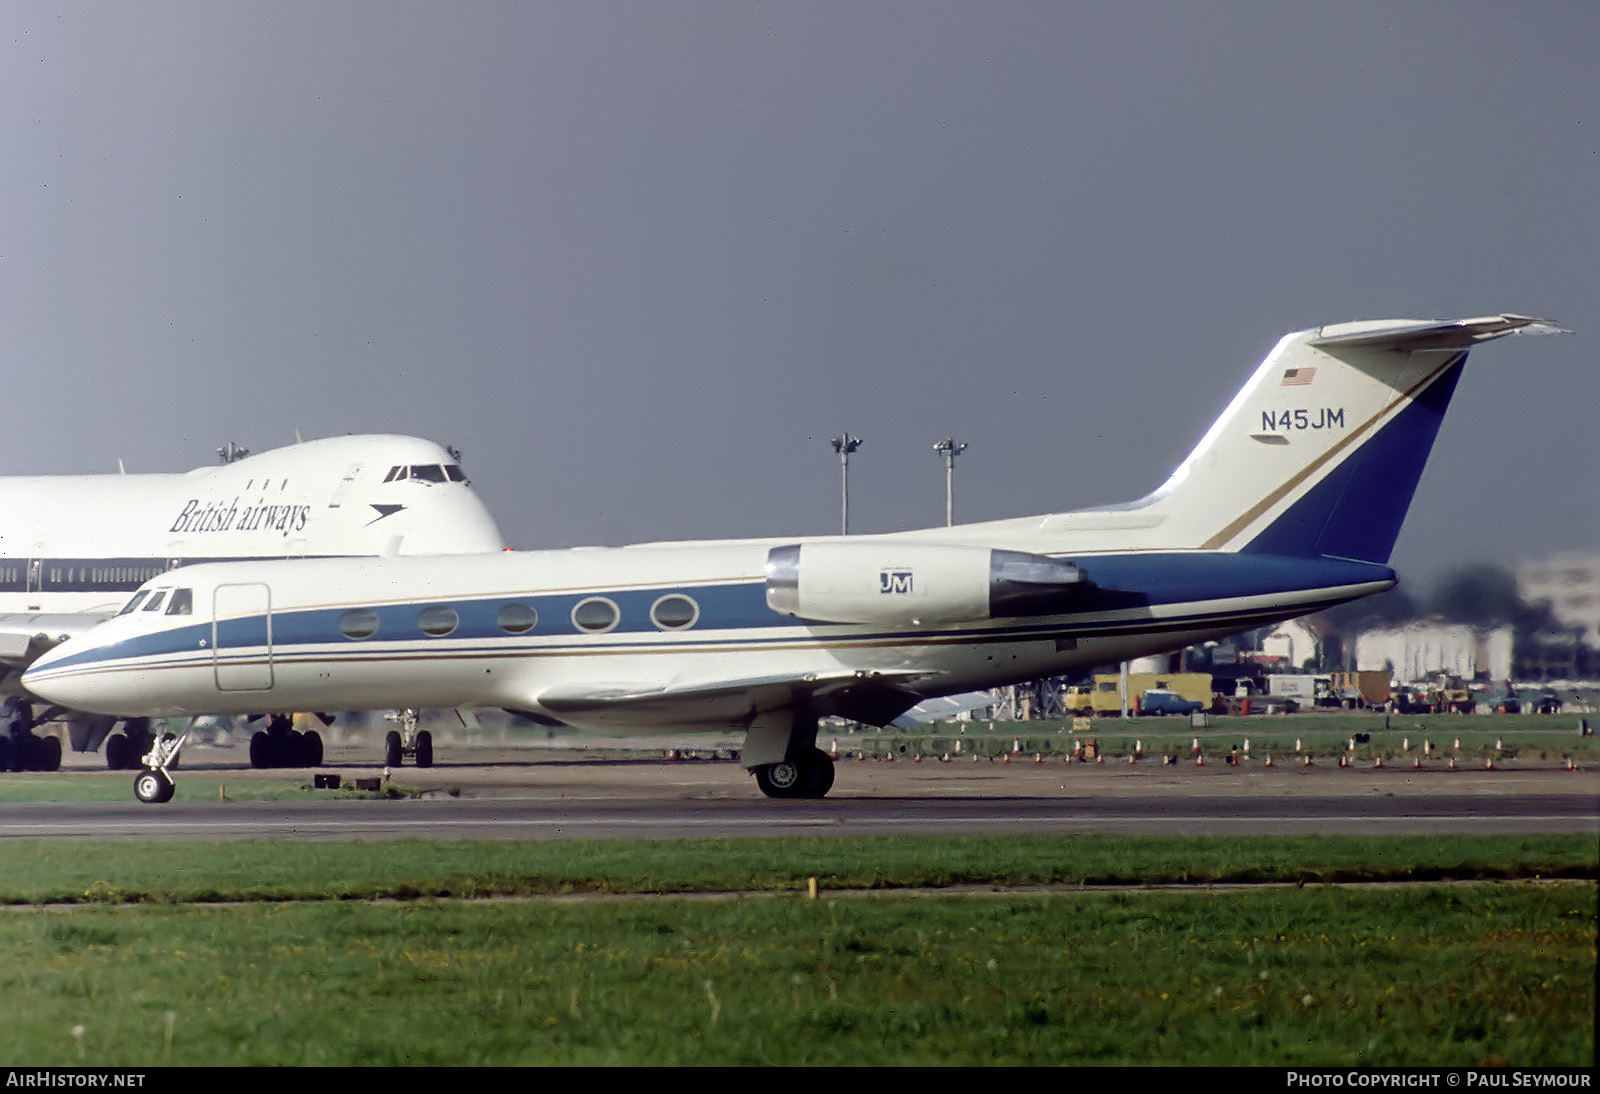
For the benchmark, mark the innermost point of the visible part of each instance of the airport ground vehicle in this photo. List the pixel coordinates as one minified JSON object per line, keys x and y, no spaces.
{"x":1159,"y":701}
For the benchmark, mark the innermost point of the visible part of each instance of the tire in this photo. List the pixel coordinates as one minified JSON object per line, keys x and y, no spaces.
{"x":820,"y":772}
{"x":19,"y":751}
{"x":809,"y":775}
{"x":784,"y":779}
{"x":424,"y":749}
{"x":391,"y":748}
{"x":260,"y":749}
{"x":47,"y":753}
{"x":311,"y":749}
{"x":152,"y":787}
{"x":117,"y":752}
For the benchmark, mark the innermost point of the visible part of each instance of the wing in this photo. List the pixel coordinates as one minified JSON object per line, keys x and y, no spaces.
{"x":25,"y":636}
{"x":945,"y":706}
{"x":872,"y":697}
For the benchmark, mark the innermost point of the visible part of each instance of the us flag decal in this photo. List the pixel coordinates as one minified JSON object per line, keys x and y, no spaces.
{"x":1297,"y":377}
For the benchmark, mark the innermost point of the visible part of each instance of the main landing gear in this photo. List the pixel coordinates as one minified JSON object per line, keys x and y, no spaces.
{"x":20,"y":748}
{"x":807,"y":773}
{"x":122,"y":750}
{"x":281,"y":745}
{"x":408,"y":740}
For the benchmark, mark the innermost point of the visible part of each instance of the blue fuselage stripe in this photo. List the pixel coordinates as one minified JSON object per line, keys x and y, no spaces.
{"x":1126,"y":593}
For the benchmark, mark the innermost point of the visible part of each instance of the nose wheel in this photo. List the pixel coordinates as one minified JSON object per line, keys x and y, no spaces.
{"x":154,"y":785}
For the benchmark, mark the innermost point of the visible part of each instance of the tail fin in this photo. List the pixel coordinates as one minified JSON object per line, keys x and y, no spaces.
{"x":1320,"y":453}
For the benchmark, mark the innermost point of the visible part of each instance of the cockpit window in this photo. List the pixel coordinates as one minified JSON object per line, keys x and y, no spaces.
{"x":426,"y":472}
{"x":182,"y":602}
{"x":154,"y":604}
{"x":133,"y":605}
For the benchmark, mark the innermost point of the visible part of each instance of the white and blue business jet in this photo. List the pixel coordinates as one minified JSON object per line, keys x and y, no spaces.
{"x":1290,"y":504}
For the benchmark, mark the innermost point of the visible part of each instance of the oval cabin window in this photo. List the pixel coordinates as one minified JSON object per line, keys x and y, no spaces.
{"x":438,"y":621}
{"x":594,"y":615}
{"x":358,"y":623}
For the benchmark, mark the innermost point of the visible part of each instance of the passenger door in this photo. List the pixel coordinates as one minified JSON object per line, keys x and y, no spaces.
{"x":241,"y":637}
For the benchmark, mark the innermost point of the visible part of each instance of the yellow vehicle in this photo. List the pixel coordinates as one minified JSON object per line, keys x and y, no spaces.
{"x":1078,"y":700}
{"x":1105,"y":698}
{"x":1367,"y":688}
{"x":1450,"y":693}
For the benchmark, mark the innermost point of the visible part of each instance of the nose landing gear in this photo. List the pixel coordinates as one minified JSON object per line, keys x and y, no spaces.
{"x":154,"y":785}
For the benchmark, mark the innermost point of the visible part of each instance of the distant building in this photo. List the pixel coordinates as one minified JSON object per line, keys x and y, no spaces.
{"x":1421,"y":650}
{"x":1570,"y":581}
{"x":1293,"y":643}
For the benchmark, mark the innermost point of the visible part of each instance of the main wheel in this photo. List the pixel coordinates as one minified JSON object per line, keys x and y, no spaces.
{"x":391,"y":748}
{"x":311,"y":748}
{"x":819,"y":774}
{"x":424,"y":749}
{"x":47,"y":753}
{"x":806,"y":775}
{"x":260,"y":749}
{"x":152,"y":787}
{"x":783,"y":779}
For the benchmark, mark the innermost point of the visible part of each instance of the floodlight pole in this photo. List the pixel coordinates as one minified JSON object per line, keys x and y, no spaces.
{"x":950,"y":448}
{"x":844,"y":444}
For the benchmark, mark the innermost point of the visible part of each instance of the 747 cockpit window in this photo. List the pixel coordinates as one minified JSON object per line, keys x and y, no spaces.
{"x":154,"y":604}
{"x":133,"y":605}
{"x":426,"y":472}
{"x":182,"y":602}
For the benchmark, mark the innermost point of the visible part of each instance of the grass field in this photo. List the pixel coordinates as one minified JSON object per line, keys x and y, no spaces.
{"x":287,"y":953}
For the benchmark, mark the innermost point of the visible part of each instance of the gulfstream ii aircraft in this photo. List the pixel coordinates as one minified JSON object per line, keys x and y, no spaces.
{"x":1289,"y":504}
{"x":73,"y":547}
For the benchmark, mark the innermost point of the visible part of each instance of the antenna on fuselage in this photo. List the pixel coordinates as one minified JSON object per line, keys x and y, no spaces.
{"x":844,"y":444}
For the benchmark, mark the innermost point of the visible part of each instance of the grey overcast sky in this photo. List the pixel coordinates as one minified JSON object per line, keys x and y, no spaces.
{"x":641,"y":260}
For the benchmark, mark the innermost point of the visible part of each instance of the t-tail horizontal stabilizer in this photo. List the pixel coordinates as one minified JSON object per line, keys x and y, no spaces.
{"x":1320,"y":453}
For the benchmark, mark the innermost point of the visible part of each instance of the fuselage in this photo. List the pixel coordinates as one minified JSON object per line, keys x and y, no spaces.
{"x":81,"y":543}
{"x":541,"y":631}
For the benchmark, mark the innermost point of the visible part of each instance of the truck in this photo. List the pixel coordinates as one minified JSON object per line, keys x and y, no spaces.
{"x":1355,"y":690}
{"x":1450,"y":693}
{"x":1301,"y":690}
{"x":1104,"y":696}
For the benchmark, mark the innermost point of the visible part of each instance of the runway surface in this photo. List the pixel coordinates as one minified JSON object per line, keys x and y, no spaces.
{"x":516,"y":794}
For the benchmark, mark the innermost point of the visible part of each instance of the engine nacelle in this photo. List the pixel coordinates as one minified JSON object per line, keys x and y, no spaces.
{"x":911,"y":584}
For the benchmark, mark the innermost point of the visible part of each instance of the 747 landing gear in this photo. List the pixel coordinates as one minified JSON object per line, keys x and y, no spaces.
{"x":281,"y":745}
{"x":806,"y":774}
{"x":20,"y":748}
{"x":408,"y":740}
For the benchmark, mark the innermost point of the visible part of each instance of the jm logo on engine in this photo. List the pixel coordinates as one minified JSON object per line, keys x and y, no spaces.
{"x":894,"y":582}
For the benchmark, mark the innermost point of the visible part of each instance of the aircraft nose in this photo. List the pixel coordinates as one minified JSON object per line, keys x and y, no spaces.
{"x":59,"y":677}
